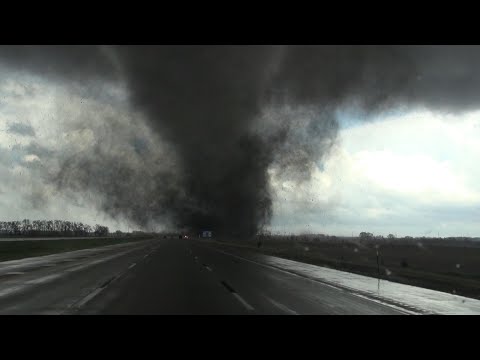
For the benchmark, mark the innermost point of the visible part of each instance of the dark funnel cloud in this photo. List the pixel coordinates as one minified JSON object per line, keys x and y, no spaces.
{"x":233,"y":113}
{"x":203,"y":99}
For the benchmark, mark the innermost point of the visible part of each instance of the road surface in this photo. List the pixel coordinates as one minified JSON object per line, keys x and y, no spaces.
{"x":171,"y":276}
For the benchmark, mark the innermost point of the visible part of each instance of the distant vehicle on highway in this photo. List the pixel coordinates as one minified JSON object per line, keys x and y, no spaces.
{"x":206,"y":234}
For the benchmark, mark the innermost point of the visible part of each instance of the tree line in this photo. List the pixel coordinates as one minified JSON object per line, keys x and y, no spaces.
{"x":51,"y":228}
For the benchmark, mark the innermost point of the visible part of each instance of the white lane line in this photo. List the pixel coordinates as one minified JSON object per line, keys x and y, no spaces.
{"x":281,"y":306}
{"x":207,"y":267}
{"x":15,"y":273}
{"x":243,"y":302}
{"x":89,"y":297}
{"x":131,"y":266}
{"x":238,"y":297}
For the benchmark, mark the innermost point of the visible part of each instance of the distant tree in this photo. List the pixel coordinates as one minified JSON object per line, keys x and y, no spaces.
{"x":25,"y":226}
{"x":50,"y":227}
{"x":391,"y":236}
{"x":16,"y":227}
{"x":101,"y":230}
{"x":88,"y":229}
{"x":366,"y":235}
{"x":57,"y":225}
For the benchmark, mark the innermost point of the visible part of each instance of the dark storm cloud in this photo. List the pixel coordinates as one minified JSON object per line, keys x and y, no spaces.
{"x":203,"y":99}
{"x":439,"y":77}
{"x":59,"y":61}
{"x":233,"y":112}
{"x":21,"y":129}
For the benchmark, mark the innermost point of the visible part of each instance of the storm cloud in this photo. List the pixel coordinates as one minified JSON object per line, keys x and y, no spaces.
{"x":21,"y":129}
{"x":231,"y":114}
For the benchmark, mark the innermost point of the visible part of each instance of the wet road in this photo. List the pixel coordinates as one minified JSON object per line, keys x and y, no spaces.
{"x":55,"y":284}
{"x":172,"y":276}
{"x":166,"y":276}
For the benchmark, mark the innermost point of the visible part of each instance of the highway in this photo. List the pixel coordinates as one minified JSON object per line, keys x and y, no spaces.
{"x":173,"y":276}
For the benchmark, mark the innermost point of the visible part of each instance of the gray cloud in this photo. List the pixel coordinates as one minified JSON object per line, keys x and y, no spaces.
{"x":73,"y":62}
{"x":21,"y":129}
{"x":378,"y":77}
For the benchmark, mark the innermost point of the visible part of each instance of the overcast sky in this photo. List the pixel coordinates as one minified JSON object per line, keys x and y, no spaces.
{"x":407,"y":174}
{"x":413,"y":172}
{"x":41,"y":121}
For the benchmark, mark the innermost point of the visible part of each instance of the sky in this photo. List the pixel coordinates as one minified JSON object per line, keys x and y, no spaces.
{"x":412,"y":173}
{"x":41,"y":121}
{"x":406,"y":172}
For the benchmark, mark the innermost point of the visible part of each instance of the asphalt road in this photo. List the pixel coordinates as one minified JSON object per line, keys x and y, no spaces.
{"x":167,"y":276}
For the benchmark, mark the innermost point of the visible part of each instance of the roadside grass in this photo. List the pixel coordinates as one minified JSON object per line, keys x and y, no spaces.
{"x":13,"y":250}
